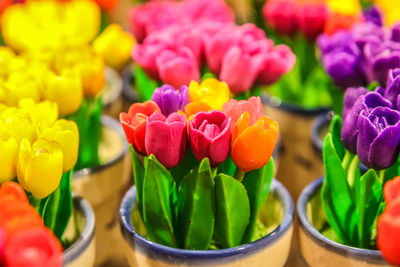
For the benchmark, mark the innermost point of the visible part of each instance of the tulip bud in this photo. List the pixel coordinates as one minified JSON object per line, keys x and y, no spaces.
{"x":65,"y":90}
{"x":252,"y":145}
{"x":43,"y":111}
{"x":210,"y":91}
{"x":8,"y":157}
{"x":20,"y":85}
{"x":92,"y":75}
{"x":114,"y":45}
{"x":40,"y":166}
{"x":18,"y":123}
{"x":6,"y":56}
{"x":170,"y":100}
{"x":166,"y":138}
{"x":389,"y":233}
{"x":66,"y":134}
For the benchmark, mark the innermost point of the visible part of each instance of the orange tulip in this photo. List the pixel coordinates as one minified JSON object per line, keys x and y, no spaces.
{"x":336,"y":22}
{"x":252,"y":145}
{"x":192,"y":109}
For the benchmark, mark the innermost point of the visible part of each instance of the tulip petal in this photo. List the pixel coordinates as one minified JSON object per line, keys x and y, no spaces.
{"x":366,"y":135}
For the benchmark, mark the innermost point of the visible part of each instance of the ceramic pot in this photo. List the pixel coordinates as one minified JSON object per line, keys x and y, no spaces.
{"x":319,"y":130}
{"x":129,"y":94}
{"x":112,"y":99}
{"x":82,"y":251}
{"x":296,"y":148}
{"x":103,"y":186}
{"x":318,"y":250}
{"x":272,"y":249}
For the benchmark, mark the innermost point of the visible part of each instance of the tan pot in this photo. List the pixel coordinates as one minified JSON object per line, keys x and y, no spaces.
{"x":112,"y":99}
{"x":82,"y":251}
{"x":318,"y":250}
{"x":103,"y":186}
{"x":271,"y":250}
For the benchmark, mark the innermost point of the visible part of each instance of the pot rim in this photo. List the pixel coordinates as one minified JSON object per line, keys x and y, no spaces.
{"x":276,"y":102}
{"x":319,"y":122}
{"x":127,"y":74}
{"x":112,"y":123}
{"x":117,"y":85}
{"x":373,"y":256}
{"x":86,"y":237}
{"x":160,"y":251}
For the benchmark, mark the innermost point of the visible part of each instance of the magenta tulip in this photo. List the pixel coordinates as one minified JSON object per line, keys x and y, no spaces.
{"x":178,"y":67}
{"x":209,"y":136}
{"x":166,"y":138}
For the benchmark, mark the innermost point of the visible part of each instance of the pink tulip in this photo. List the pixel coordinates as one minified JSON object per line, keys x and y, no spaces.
{"x":200,"y":10}
{"x":277,"y":62}
{"x":209,"y":136}
{"x":234,"y":109}
{"x":166,"y":138}
{"x":280,"y":14}
{"x":250,"y":33}
{"x":178,"y":67}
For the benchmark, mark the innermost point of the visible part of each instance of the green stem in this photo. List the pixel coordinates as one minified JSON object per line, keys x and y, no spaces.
{"x":353,"y":168}
{"x":239,"y":175}
{"x":35,"y":202}
{"x":346,"y":160}
{"x":381,"y":175}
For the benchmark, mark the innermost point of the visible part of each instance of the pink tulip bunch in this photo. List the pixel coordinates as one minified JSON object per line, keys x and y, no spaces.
{"x":176,"y":50}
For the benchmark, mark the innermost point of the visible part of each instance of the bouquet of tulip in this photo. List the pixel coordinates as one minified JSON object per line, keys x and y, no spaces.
{"x":195,"y":39}
{"x":297,"y":23}
{"x":24,"y":240}
{"x":202,"y":164}
{"x":370,"y":134}
{"x":40,"y":151}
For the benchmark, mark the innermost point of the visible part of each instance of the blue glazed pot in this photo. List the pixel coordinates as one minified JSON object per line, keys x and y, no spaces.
{"x":318,"y":250}
{"x":272,"y":249}
{"x":82,"y":251}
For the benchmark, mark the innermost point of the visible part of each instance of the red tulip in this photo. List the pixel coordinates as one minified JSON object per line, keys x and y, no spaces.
{"x":209,"y":136}
{"x":311,"y":18}
{"x":14,"y":189}
{"x":391,"y":191}
{"x":166,"y":138}
{"x":134,"y":123}
{"x":280,"y":14}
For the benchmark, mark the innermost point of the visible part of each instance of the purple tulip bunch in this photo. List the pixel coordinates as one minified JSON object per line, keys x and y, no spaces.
{"x":363,"y":54}
{"x":187,"y":36}
{"x":371,"y":123}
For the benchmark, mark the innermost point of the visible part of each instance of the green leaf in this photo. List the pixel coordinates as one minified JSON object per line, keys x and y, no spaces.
{"x":368,"y":202}
{"x":158,"y":187}
{"x":227,"y":167}
{"x":336,"y":195}
{"x":196,"y":208}
{"x":145,"y":86}
{"x":187,"y":164}
{"x":257,"y":184}
{"x":232,"y":211}
{"x":138,"y":176}
{"x":392,"y":171}
{"x":336,"y":130}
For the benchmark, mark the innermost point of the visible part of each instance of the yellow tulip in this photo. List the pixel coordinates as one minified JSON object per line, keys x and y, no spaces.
{"x":65,"y":90}
{"x":390,"y":10}
{"x":344,"y":7}
{"x":114,"y":45}
{"x":8,"y":156}
{"x":19,"y":124}
{"x":20,"y":85}
{"x":93,"y":76}
{"x":66,"y":134}
{"x":43,"y":111}
{"x":210,"y":91}
{"x":40,"y":166}
{"x":6,"y":56}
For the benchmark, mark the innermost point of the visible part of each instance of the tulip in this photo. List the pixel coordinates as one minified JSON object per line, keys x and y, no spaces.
{"x":114,"y":45}
{"x":350,"y":130}
{"x":18,"y":124}
{"x":43,"y":111}
{"x":367,"y":33}
{"x":14,"y":189}
{"x":372,"y":14}
{"x":234,"y":109}
{"x":395,"y":34}
{"x":280,"y":14}
{"x":134,"y":123}
{"x":178,"y":67}
{"x":378,"y":141}
{"x":200,"y":10}
{"x":252,"y":145}
{"x":345,"y":7}
{"x":6,"y":56}
{"x":20,"y":85}
{"x":170,"y":100}
{"x":66,"y":134}
{"x":209,"y":136}
{"x":92,"y":76}
{"x":107,"y":4}
{"x":311,"y":18}
{"x":8,"y":157}
{"x":336,"y":22}
{"x":36,"y":247}
{"x":391,"y":190}
{"x":389,"y":8}
{"x":276,"y":63}
{"x":350,"y":97}
{"x":389,"y":233}
{"x":65,"y":90}
{"x":166,"y":138}
{"x":2,"y":245}
{"x":210,"y":91}
{"x":392,"y":91}
{"x":40,"y":166}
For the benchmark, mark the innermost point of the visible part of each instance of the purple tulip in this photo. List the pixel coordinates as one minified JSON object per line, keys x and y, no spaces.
{"x":392,"y":91}
{"x":350,"y":97}
{"x":364,"y":104}
{"x":378,"y":142}
{"x":373,"y":15}
{"x":367,"y":33}
{"x":342,"y":40}
{"x":166,"y":138}
{"x":209,"y":136}
{"x":395,"y":34}
{"x":171,"y":100}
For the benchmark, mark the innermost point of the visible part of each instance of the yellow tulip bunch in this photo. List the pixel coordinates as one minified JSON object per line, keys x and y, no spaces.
{"x":390,"y":10}
{"x":36,"y":146}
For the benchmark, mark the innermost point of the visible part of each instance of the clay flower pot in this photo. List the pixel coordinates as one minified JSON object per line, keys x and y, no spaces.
{"x":112,"y":99}
{"x":272,"y":249}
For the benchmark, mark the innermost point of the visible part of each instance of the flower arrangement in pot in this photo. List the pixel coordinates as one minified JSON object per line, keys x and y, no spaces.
{"x":348,"y":226}
{"x":202,"y":169}
{"x":39,"y":151}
